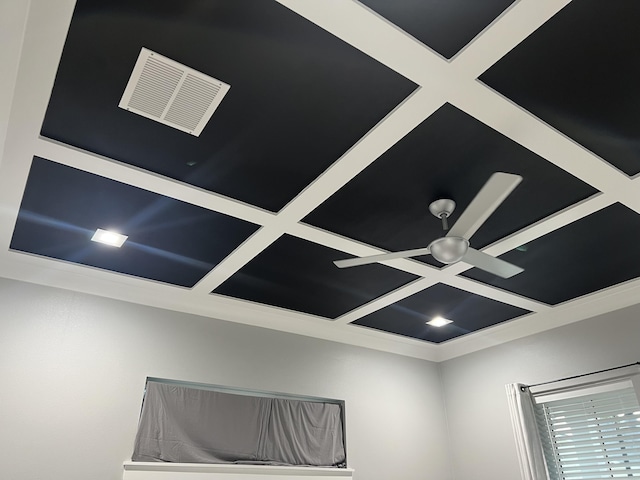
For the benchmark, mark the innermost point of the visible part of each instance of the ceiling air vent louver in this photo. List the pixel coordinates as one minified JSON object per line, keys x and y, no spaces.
{"x":170,"y":93}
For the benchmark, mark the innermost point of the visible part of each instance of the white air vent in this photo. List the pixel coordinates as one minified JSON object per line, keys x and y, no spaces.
{"x":172,"y":94}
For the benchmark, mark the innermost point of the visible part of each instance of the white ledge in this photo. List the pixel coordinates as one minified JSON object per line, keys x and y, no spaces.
{"x":203,"y":471}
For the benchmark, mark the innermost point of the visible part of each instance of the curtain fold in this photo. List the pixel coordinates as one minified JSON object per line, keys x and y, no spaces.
{"x":304,"y":433}
{"x":528,"y":443}
{"x":190,"y":425}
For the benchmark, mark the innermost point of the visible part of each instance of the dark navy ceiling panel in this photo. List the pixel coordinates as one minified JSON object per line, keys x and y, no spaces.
{"x":169,"y":241}
{"x":299,"y":98}
{"x":444,"y":25}
{"x":469,"y":313}
{"x":299,"y":275}
{"x":579,"y":73}
{"x":596,"y":252}
{"x":451,"y":154}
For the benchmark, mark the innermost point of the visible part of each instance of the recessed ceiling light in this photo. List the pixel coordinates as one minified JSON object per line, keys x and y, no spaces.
{"x":109,"y":238}
{"x":438,"y":322}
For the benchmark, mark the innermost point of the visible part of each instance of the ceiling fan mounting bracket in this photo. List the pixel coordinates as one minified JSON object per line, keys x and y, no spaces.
{"x":442,"y":209}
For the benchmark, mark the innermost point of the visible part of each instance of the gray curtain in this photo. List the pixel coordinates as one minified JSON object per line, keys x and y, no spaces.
{"x":189,"y":425}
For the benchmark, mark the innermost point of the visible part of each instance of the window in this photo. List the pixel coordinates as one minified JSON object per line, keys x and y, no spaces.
{"x":590,"y":433}
{"x":195,"y":423}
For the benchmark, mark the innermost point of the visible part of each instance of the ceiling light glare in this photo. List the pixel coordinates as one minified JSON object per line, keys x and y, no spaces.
{"x":438,"y":322}
{"x":112,"y":239}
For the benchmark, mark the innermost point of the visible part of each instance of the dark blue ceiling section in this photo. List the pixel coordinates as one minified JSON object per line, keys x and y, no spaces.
{"x":299,"y":275}
{"x":449,"y":155}
{"x":596,"y":252}
{"x":444,"y":25}
{"x":169,"y":241}
{"x":469,"y":313}
{"x":579,"y":73}
{"x":299,"y":98}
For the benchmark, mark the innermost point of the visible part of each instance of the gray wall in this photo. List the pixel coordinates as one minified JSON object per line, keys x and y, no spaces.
{"x":72,"y":370}
{"x":473,"y":385}
{"x":73,"y":366}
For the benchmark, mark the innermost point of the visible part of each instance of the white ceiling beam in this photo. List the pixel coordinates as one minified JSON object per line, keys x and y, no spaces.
{"x":515,"y":24}
{"x":607,"y":300}
{"x":354,"y":23}
{"x":152,"y":182}
{"x":386,"y":300}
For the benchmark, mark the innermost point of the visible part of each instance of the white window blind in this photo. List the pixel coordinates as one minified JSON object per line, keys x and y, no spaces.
{"x":591,"y":437}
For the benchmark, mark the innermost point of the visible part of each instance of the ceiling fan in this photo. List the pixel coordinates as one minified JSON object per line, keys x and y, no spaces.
{"x":454,"y":247}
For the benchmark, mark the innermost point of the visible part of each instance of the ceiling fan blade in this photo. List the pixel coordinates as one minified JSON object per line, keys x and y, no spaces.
{"x":490,"y":196}
{"x":352,"y":262}
{"x":490,"y":264}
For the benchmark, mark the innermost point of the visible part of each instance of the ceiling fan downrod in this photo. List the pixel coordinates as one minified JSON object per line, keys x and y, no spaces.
{"x":445,"y":224}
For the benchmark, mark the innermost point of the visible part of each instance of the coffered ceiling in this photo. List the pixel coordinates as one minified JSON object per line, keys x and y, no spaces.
{"x":344,"y":120}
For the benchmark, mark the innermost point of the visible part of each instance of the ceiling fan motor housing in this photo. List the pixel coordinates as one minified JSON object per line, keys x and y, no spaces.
{"x":449,"y":249}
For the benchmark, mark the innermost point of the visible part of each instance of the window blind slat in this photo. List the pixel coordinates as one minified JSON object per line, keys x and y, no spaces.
{"x":600,"y":404}
{"x":621,"y":452}
{"x":600,"y":467}
{"x":594,"y":432}
{"x":590,"y":449}
{"x":603,"y":414}
{"x":577,"y":415}
{"x":606,"y":436}
{"x":617,"y":421}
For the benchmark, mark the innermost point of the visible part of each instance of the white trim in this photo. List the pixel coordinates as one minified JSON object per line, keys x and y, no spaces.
{"x":201,"y":471}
